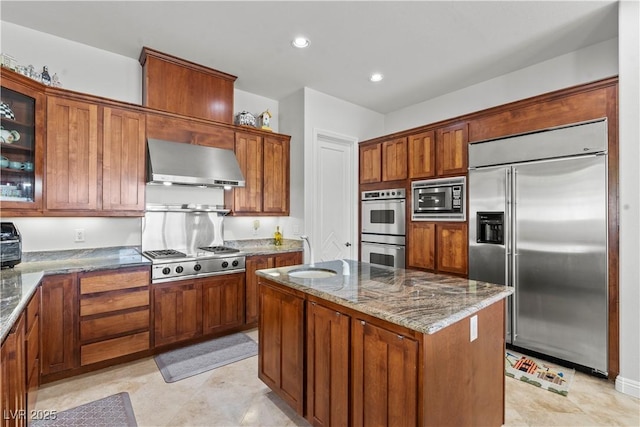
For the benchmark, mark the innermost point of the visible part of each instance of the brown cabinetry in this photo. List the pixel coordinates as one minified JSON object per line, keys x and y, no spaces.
{"x":123,"y":160}
{"x":13,"y":380}
{"x":59,"y":317}
{"x":32,"y":348}
{"x":451,"y":144}
{"x":327,"y":368}
{"x":261,"y":262}
{"x":394,"y":159}
{"x":385,"y":376}
{"x":169,"y":127}
{"x":440,"y":247}
{"x":422,"y":155}
{"x":72,"y":155}
{"x":23,"y":147}
{"x":370,"y":163}
{"x":177,"y":311}
{"x":114,"y":314}
{"x":264,"y":161}
{"x":223,"y":302}
{"x":281,"y":344}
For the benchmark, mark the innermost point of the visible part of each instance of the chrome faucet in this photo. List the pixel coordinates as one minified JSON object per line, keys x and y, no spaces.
{"x":306,"y":239}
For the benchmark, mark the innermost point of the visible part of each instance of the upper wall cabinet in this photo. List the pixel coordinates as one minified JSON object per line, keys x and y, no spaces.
{"x":451,"y":144}
{"x":178,"y":86}
{"x":95,"y":158}
{"x":383,"y":161}
{"x":422,"y":155}
{"x":22,"y":142}
{"x":170,"y":127}
{"x":264,"y":161}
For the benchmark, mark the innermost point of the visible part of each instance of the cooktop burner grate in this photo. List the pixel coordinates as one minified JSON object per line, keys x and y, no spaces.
{"x":164,"y":253}
{"x":220,"y":249}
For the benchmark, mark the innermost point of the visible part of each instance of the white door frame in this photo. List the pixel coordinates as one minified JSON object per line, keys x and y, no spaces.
{"x":314,"y":178}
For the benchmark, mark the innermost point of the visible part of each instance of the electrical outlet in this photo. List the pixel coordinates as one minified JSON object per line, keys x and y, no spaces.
{"x":256,"y":225}
{"x":296,"y":229}
{"x":78,"y":235}
{"x":473,"y":328}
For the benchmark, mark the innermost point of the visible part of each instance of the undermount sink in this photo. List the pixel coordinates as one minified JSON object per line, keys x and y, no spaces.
{"x":312,"y":273}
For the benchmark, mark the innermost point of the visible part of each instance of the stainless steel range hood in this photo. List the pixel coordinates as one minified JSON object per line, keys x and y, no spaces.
{"x":187,"y":164}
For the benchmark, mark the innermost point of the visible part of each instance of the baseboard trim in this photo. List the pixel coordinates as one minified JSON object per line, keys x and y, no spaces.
{"x":627,"y":386}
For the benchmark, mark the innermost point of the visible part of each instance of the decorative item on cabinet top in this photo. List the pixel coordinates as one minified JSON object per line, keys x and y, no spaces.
{"x":245,"y":118}
{"x":264,"y":119}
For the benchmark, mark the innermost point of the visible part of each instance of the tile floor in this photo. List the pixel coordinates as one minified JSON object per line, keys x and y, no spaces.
{"x":234,"y":396}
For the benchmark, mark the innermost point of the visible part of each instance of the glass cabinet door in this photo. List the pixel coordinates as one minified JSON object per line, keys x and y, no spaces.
{"x":20,"y":167}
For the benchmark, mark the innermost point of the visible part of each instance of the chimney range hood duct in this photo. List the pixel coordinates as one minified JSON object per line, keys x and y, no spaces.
{"x":188,"y":164}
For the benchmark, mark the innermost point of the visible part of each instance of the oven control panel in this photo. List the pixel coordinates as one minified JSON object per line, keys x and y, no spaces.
{"x":396,"y":193}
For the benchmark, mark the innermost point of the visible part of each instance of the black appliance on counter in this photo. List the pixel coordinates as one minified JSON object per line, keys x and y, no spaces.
{"x":10,"y":245}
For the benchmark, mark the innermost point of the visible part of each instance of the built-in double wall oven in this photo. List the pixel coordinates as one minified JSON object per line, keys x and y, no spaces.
{"x":383,"y":236}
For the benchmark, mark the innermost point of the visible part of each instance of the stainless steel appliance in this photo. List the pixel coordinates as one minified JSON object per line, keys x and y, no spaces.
{"x":383,"y":234}
{"x":441,"y":199}
{"x":10,"y":245}
{"x":186,"y":241}
{"x":538,"y":222}
{"x":170,"y":264}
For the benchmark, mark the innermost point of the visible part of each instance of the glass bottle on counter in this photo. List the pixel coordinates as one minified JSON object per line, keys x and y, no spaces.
{"x":277,"y":237}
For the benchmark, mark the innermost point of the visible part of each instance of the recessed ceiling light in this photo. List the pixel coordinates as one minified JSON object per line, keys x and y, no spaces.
{"x":300,"y":42}
{"x":376,"y":77}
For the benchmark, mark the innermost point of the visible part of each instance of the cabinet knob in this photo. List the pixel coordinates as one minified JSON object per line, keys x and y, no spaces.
{"x":362,"y":322}
{"x":337,"y":313}
{"x":400,"y":337}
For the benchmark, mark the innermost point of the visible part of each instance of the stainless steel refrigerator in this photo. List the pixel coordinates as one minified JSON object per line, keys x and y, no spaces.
{"x":538,"y":222}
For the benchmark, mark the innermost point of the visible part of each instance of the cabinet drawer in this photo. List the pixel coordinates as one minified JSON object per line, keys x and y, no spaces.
{"x":112,"y":301}
{"x":113,"y":325}
{"x":113,"y":348}
{"x":33,"y":309}
{"x":113,"y":282}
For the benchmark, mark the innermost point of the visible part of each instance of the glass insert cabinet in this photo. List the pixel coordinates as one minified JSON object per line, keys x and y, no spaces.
{"x":21,"y":133}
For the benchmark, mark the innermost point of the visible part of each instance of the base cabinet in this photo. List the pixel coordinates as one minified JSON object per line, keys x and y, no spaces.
{"x":441,"y":247}
{"x":222,"y":303}
{"x":177,"y":311}
{"x":281,"y":344}
{"x":13,"y":379}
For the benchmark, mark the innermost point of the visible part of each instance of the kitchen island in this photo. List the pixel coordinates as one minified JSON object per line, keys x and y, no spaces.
{"x":374,"y":345}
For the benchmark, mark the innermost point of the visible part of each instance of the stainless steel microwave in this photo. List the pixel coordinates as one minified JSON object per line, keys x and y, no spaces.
{"x":442,"y":199}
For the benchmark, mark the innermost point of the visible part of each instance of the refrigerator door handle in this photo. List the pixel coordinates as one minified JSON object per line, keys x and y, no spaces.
{"x":514,"y":252}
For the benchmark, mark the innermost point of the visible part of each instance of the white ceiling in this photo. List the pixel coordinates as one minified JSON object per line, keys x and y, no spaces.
{"x":423,"y":48}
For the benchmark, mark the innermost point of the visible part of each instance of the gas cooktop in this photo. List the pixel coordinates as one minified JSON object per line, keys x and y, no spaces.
{"x":170,"y":264}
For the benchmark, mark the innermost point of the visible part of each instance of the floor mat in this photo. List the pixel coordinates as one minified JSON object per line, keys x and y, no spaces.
{"x":539,"y":373}
{"x":111,"y":411}
{"x":185,"y":362}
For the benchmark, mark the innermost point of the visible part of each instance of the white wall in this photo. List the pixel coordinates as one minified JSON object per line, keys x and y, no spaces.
{"x":581,"y":66}
{"x":629,"y":108}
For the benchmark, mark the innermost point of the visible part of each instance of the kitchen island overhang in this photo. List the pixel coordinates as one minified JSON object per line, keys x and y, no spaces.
{"x":382,"y":338}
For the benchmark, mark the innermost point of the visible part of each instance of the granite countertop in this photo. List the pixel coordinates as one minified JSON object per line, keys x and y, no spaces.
{"x":18,"y":284}
{"x":421,"y":301}
{"x":265,"y":246}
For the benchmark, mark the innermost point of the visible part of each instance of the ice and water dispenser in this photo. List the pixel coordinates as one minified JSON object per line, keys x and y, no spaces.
{"x":490,"y":227}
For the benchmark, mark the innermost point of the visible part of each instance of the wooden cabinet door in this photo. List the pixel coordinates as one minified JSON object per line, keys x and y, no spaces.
{"x":394,"y":160}
{"x":289,"y":258}
{"x":249,"y":154}
{"x":123,"y":160}
{"x":370,"y":163}
{"x":275,"y":193}
{"x":177,"y":311}
{"x":59,"y":317}
{"x":71,"y":155}
{"x":13,"y":377}
{"x":422,"y":155}
{"x":452,"y":150}
{"x":422,"y":245}
{"x":252,"y":264}
{"x":327,"y":366}
{"x":452,"y":246}
{"x":223,"y":302}
{"x":281,"y":342}
{"x":385,"y":377}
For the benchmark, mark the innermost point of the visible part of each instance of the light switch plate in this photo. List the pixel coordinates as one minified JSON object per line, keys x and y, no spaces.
{"x":473,"y":323}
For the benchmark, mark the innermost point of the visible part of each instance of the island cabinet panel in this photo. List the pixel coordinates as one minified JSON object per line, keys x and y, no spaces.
{"x":327,"y":366}
{"x":71,"y":155}
{"x":223,"y":302}
{"x":385,"y":376}
{"x":281,"y":344}
{"x":261,"y":262}
{"x":451,"y":143}
{"x":422,"y":155}
{"x":370,"y":163}
{"x":13,"y":381}
{"x":394,"y":159}
{"x":123,"y":160}
{"x":479,"y":386}
{"x":177,"y":311}
{"x":32,"y":345}
{"x":59,"y":323}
